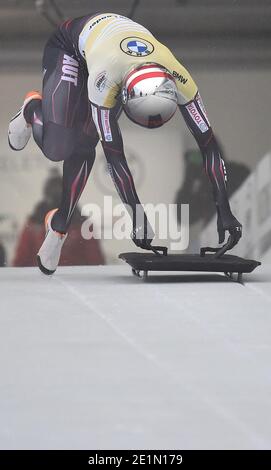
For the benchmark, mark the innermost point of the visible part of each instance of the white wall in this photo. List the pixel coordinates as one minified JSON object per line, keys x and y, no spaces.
{"x":238,"y":103}
{"x":251,"y":204}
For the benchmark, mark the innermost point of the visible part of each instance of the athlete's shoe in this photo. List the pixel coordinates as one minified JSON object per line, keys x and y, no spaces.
{"x":50,"y":251}
{"x":19,"y":131}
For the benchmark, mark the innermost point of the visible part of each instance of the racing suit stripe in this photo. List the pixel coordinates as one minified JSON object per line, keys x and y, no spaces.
{"x":198,"y":123}
{"x":116,"y":160}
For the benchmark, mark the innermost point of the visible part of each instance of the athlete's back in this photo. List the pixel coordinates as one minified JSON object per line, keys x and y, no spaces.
{"x":112,"y":44}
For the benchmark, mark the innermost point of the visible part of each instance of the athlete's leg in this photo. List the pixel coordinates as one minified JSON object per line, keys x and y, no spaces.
{"x":54,"y":120}
{"x":76,"y":171}
{"x":63,"y":128}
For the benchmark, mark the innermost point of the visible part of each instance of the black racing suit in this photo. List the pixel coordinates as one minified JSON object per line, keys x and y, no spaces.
{"x":64,"y":130}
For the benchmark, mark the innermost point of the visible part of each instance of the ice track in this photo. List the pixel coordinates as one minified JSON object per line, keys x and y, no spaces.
{"x":93,"y":358}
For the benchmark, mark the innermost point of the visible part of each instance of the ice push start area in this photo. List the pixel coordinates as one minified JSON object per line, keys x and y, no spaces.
{"x":91,"y":358}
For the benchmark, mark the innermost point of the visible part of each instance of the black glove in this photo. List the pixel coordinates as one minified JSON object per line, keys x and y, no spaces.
{"x":231,"y":224}
{"x":142,"y":236}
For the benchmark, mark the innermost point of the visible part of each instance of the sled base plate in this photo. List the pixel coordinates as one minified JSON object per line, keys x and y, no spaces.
{"x":230,"y":265}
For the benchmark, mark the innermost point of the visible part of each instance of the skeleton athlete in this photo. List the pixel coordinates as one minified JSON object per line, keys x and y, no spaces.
{"x":93,"y":67}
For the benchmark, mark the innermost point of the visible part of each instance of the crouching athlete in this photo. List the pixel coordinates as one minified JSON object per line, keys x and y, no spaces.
{"x":93,"y":67}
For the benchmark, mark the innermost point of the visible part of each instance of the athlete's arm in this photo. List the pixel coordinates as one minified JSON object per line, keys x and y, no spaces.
{"x":197,"y":121}
{"x":112,"y":143}
{"x":195,"y":116}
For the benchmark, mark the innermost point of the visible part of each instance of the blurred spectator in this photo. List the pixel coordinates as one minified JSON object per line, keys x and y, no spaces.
{"x":3,"y":256}
{"x":76,"y":250}
{"x":196,"y":189}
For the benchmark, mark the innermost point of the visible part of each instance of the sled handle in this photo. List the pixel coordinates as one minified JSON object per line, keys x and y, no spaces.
{"x":218,"y":251}
{"x":157,"y":249}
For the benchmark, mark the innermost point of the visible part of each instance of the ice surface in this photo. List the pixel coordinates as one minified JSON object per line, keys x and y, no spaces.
{"x":94,"y":358}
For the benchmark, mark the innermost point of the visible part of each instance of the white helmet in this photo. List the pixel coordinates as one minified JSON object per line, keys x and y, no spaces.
{"x":149,"y":95}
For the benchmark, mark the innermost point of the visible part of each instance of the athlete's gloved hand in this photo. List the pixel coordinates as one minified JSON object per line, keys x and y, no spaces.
{"x":230,"y":224}
{"x":142,"y":236}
